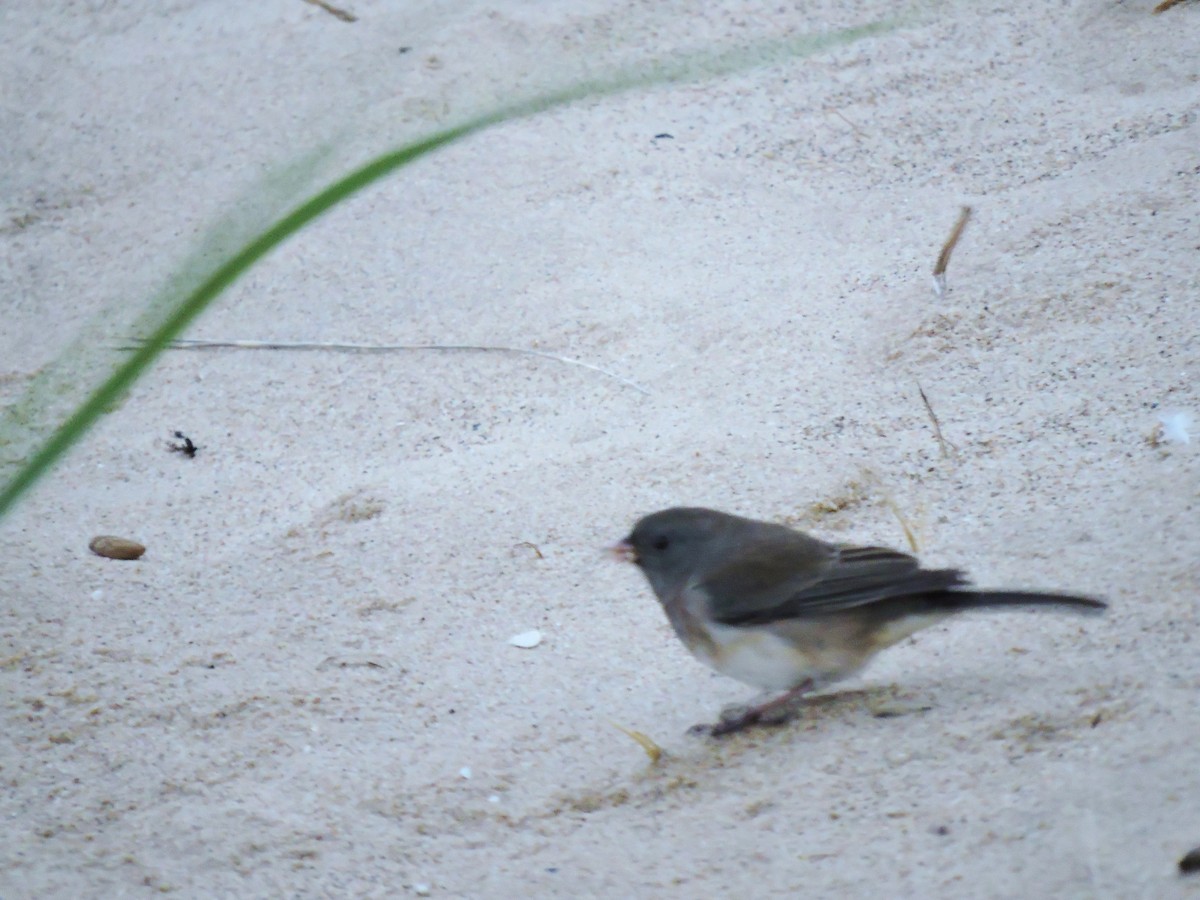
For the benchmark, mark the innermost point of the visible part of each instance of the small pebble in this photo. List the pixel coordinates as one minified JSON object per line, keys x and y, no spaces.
{"x":526,"y":640}
{"x":465,"y":771}
{"x":113,"y":547}
{"x":422,"y":889}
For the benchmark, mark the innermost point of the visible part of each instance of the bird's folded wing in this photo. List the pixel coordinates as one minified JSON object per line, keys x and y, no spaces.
{"x":769,"y":584}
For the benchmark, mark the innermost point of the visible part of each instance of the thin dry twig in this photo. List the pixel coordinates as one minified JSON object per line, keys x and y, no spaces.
{"x":943,"y":260}
{"x":1165,"y":5}
{"x":837,"y":112}
{"x":334,"y":11}
{"x":937,"y":426}
{"x":647,"y":743}
{"x":394,"y":348}
{"x":876,"y":481}
{"x":909,"y":535}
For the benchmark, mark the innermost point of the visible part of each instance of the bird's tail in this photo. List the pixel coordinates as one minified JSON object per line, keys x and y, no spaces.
{"x":907,"y":615}
{"x":952,"y":601}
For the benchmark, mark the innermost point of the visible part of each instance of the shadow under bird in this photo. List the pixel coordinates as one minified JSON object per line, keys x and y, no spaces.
{"x":777,"y":609}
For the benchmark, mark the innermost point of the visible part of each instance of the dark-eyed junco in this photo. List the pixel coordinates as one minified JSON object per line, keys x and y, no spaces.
{"x":780,"y":610}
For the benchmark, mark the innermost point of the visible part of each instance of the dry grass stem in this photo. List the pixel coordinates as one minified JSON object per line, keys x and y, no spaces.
{"x":943,"y":260}
{"x":395,"y":348}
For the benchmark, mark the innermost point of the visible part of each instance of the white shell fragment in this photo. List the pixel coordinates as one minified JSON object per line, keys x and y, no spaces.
{"x":1173,"y":428}
{"x":526,"y":640}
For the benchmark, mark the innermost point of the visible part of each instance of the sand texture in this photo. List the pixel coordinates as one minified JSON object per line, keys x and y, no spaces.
{"x":305,"y":687}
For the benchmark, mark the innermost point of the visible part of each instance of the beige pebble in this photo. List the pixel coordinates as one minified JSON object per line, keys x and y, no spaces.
{"x":116,"y":547}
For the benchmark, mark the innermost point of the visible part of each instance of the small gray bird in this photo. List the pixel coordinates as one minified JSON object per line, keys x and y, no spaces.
{"x":783,"y":611}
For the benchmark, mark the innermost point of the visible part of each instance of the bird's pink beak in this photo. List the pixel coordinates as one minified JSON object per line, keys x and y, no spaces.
{"x":623,"y":552}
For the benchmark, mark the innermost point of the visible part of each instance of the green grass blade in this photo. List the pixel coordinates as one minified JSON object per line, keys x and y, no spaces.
{"x":177,"y":305}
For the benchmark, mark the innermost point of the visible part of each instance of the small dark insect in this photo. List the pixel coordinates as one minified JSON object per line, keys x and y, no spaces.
{"x":187,"y":448}
{"x":1190,"y":862}
{"x":664,"y":136}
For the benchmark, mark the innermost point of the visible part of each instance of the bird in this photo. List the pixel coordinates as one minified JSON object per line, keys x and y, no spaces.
{"x":775,"y":608}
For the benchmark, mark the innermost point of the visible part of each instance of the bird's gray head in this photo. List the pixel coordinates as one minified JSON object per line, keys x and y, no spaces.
{"x":669,"y":545}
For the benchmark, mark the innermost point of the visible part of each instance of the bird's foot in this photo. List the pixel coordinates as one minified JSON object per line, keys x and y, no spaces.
{"x":773,"y":713}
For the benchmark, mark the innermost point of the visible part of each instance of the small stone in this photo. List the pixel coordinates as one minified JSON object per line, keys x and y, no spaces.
{"x":112,"y":547}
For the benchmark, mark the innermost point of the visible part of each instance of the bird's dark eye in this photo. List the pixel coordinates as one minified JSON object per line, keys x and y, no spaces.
{"x":661,"y":543}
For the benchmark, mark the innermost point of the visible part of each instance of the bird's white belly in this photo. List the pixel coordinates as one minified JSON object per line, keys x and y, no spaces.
{"x":758,"y":658}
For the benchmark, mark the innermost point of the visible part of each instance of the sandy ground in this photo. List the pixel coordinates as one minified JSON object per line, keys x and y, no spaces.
{"x":305,"y":687}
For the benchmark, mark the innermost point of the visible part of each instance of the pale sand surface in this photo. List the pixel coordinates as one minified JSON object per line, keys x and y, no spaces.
{"x":281,"y":697}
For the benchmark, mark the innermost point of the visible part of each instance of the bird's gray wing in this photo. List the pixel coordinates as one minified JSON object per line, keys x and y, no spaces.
{"x":785,"y":580}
